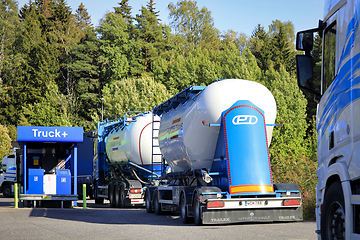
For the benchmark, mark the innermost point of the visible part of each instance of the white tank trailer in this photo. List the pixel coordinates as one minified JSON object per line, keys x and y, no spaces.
{"x":126,"y":158}
{"x":215,"y":141}
{"x":186,"y":144}
{"x":203,"y":153}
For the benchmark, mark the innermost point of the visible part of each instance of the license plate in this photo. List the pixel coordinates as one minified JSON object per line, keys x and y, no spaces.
{"x":254,"y":203}
{"x":135,"y":196}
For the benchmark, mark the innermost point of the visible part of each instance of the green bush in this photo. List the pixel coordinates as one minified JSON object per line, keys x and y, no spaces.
{"x":302,"y":172}
{"x":5,"y":142}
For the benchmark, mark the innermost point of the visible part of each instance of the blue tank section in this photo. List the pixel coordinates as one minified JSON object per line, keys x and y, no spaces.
{"x":242,"y":161}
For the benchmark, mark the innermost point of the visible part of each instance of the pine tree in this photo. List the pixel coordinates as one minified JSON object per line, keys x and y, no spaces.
{"x":125,"y":11}
{"x":259,"y":45}
{"x":84,"y":68}
{"x":8,"y":26}
{"x":282,"y":54}
{"x":150,"y":37}
{"x":83,"y":19}
{"x":9,"y":58}
{"x":116,"y":48}
{"x":281,"y":41}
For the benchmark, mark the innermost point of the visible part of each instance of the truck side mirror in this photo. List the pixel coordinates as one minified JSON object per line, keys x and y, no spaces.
{"x":305,"y":41}
{"x":305,"y":73}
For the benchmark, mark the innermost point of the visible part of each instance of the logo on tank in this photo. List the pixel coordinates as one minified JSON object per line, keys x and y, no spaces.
{"x":244,"y":119}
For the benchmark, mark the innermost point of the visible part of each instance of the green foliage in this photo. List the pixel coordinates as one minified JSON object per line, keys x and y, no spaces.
{"x":132,"y":94}
{"x":288,"y":140}
{"x":274,"y":48}
{"x":231,"y":36}
{"x":115,"y":47}
{"x":124,"y":10}
{"x":194,"y":26}
{"x":292,"y":150}
{"x":302,"y":171}
{"x":260,"y":47}
{"x":85,"y":71}
{"x":5,"y":142}
{"x":50,"y":111}
{"x":56,"y":69}
{"x":151,"y":39}
{"x":9,"y":22}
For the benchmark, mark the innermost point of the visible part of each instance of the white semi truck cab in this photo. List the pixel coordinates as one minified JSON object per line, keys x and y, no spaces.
{"x":8,"y":174}
{"x":338,"y":117}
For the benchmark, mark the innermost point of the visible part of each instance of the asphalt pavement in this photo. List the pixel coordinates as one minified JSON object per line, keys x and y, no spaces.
{"x":102,"y":222}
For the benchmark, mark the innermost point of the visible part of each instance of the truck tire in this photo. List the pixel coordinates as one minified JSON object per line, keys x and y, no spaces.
{"x":6,"y":190}
{"x":197,"y":210}
{"x":122,"y":196}
{"x":333,"y":213}
{"x":157,"y":204}
{"x":148,"y":204}
{"x":117,"y":194}
{"x":184,"y":213}
{"x":111,"y":194}
{"x":96,"y":194}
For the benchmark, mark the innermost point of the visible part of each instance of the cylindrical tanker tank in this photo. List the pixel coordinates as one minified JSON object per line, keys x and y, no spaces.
{"x":132,"y":141}
{"x":186,"y":143}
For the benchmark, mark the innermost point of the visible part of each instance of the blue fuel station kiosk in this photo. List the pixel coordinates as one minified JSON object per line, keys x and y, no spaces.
{"x":46,"y":167}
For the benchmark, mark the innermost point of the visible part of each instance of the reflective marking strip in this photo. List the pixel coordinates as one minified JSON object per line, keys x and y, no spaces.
{"x":175,"y":136}
{"x":251,"y":188}
{"x":142,"y":163}
{"x":176,"y":120}
{"x":116,"y":138}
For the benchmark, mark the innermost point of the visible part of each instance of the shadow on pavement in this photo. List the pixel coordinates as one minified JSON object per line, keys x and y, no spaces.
{"x":96,"y":213}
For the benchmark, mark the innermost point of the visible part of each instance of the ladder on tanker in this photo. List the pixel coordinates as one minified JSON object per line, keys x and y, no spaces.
{"x":156,"y":156}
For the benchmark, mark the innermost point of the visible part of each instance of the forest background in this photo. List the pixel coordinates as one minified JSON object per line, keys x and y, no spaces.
{"x":57,"y":69}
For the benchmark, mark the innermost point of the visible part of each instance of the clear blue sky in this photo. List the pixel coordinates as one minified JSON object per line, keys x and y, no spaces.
{"x":239,"y":15}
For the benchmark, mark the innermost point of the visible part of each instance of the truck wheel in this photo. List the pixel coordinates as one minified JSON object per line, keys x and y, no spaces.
{"x":157,"y":204}
{"x":96,"y":194}
{"x":333,"y":213}
{"x":122,"y":196}
{"x":197,"y":210}
{"x":184,"y":212}
{"x":111,"y":194}
{"x":117,"y":195}
{"x":6,"y":190}
{"x":148,"y":202}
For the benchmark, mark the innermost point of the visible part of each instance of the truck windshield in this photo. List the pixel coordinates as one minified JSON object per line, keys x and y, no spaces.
{"x":329,"y":56}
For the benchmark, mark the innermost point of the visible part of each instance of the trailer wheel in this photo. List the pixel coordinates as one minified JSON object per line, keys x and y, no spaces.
{"x":197,"y":210}
{"x":111,"y":194}
{"x":96,"y":194}
{"x":333,"y":213}
{"x":117,"y":195}
{"x":184,"y":212}
{"x":6,"y":190}
{"x":148,"y":204}
{"x":157,"y":204}
{"x":122,"y":196}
